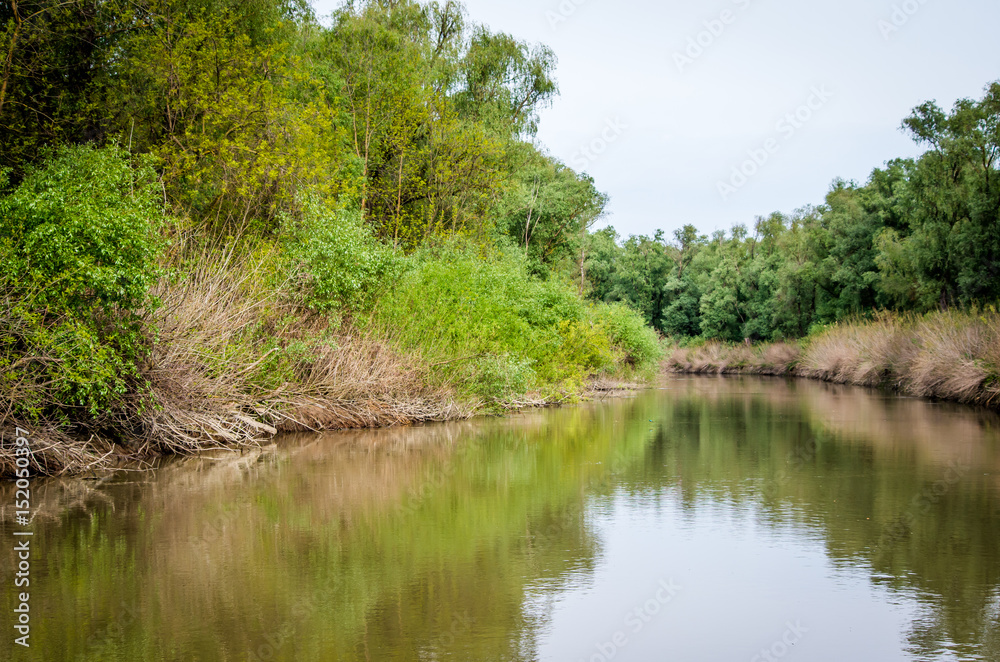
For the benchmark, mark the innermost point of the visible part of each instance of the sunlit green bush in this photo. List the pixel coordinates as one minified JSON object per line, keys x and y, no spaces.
{"x":628,"y":332}
{"x":77,"y":258}
{"x":79,"y":232}
{"x":498,"y":330}
{"x":345,"y":267}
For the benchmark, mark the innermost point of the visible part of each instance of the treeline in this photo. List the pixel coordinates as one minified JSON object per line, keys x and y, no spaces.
{"x":220,"y":219}
{"x":920,"y":234}
{"x":409,"y":112}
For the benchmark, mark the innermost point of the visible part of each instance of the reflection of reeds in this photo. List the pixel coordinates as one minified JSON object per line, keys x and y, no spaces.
{"x":949,"y":355}
{"x":940,"y":435}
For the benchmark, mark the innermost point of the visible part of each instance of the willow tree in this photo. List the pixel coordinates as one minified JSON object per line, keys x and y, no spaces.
{"x":948,"y":251}
{"x":428,"y":162}
{"x":238,"y":129}
{"x":548,"y":211}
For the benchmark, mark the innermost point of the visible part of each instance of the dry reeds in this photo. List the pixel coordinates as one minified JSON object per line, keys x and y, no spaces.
{"x":715,"y":358}
{"x":950,"y":355}
{"x":51,"y":451}
{"x":235,"y":362}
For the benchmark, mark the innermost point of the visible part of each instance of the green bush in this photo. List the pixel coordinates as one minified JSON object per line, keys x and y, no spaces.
{"x":501,"y":378}
{"x":345,"y":267}
{"x":80,"y":232}
{"x":77,"y":259}
{"x":49,"y":367}
{"x":630,"y":334}
{"x":497,"y":330}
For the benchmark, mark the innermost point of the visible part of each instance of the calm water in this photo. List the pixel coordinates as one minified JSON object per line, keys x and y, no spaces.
{"x":716,"y":519}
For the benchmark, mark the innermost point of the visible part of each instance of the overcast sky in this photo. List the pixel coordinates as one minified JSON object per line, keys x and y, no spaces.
{"x":664,"y":103}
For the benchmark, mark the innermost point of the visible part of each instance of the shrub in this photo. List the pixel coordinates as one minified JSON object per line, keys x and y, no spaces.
{"x":497,"y":330}
{"x":77,"y":259}
{"x":49,"y":366}
{"x":80,"y":232}
{"x":629,"y":333}
{"x":501,"y":378}
{"x":344,"y":266}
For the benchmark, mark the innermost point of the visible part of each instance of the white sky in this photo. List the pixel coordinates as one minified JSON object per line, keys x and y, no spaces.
{"x":686,"y":127}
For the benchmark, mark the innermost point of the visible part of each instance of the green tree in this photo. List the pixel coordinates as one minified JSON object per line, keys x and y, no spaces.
{"x":504,"y":82}
{"x":216,"y":109}
{"x":548,"y":210}
{"x":51,"y":53}
{"x":947,"y":252}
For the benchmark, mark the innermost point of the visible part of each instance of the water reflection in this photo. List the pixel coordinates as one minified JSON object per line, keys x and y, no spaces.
{"x":854,"y":525}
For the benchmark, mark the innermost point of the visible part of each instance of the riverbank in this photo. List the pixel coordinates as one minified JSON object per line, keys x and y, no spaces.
{"x":234,"y":359}
{"x":190,"y":424}
{"x":949,"y":355}
{"x":213,"y":386}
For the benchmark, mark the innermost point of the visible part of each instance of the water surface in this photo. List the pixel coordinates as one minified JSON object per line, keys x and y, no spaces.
{"x":713,"y":519}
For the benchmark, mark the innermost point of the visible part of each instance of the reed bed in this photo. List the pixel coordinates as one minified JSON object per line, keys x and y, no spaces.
{"x":950,"y":355}
{"x":716,"y":358}
{"x":236,"y":362}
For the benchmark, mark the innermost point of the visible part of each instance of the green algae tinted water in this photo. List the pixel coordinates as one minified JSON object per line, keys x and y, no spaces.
{"x":712,"y":519}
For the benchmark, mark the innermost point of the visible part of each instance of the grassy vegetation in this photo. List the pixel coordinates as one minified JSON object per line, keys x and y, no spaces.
{"x":952,"y":355}
{"x":221,"y":220}
{"x":162,"y":340}
{"x":492,"y":330}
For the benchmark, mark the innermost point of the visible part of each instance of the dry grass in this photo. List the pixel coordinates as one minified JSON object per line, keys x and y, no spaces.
{"x":857,"y":353}
{"x":54,"y":452}
{"x":948,"y":355}
{"x":715,"y":358}
{"x":233,"y":366}
{"x":235,"y":362}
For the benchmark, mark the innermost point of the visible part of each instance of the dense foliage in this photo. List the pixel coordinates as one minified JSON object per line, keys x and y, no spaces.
{"x":78,"y":247}
{"x":277,"y":180}
{"x":504,"y":331}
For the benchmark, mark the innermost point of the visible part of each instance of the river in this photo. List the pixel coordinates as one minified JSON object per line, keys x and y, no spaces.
{"x":710,"y":519}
